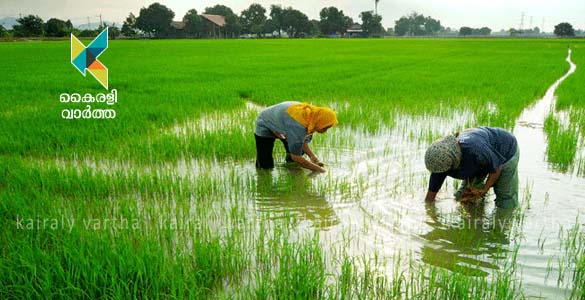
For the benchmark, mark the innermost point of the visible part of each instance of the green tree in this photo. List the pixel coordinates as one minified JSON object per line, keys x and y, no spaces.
{"x":232,"y":27}
{"x":564,"y":30}
{"x":295,"y":23}
{"x":417,"y":25}
{"x":276,"y":14}
{"x":193,"y":22}
{"x":3,"y":32}
{"x":334,"y":21}
{"x":88,"y":33}
{"x":402,"y":26}
{"x":56,"y":28}
{"x":346,"y":22}
{"x":465,"y":31}
{"x":113,"y":31}
{"x":371,"y":23}
{"x":432,"y":26}
{"x":315,"y":28}
{"x":270,"y":26}
{"x":411,"y":25}
{"x":155,"y":20}
{"x":484,"y":31}
{"x":129,"y":26}
{"x":514,"y":32}
{"x":29,"y":26}
{"x":69,"y":26}
{"x":253,"y":19}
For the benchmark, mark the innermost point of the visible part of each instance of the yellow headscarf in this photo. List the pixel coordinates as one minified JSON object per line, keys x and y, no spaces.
{"x":312,"y":117}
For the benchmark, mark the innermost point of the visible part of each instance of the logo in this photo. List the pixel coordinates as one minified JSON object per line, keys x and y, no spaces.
{"x":86,"y":58}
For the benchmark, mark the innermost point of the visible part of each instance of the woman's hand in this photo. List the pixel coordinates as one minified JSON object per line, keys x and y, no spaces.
{"x":279,"y":135}
{"x":307,"y":164}
{"x":316,"y":161}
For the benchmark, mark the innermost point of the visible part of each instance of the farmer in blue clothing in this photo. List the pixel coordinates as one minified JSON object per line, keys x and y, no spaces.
{"x":471,"y":156}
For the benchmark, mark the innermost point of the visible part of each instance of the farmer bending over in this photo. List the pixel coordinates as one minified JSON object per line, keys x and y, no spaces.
{"x":471,"y":155}
{"x":294,"y":124}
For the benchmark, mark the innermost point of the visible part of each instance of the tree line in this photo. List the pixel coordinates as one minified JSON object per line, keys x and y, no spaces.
{"x":156,"y":21}
{"x":34,"y":26}
{"x":255,"y":20}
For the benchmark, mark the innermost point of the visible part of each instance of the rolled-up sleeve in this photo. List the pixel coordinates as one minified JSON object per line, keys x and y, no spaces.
{"x":295,"y":148}
{"x":296,"y":140}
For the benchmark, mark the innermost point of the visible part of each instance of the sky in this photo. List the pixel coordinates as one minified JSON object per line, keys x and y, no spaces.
{"x":495,"y":14}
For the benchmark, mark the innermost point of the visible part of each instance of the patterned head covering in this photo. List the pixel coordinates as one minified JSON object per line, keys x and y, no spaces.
{"x":443,"y":155}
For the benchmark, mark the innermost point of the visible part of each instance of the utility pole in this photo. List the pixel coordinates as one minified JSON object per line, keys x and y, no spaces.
{"x":101,"y":23}
{"x":530,"y":22}
{"x":88,"y":28}
{"x":522,"y":21}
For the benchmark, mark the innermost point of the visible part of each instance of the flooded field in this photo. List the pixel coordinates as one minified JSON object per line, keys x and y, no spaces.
{"x":182,"y":212}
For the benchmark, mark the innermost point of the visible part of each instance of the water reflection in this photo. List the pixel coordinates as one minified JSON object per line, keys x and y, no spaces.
{"x":467,"y":240}
{"x":288,"y":191}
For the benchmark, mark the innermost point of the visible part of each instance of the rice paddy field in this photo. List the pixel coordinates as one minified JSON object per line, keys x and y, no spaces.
{"x":164,"y":201}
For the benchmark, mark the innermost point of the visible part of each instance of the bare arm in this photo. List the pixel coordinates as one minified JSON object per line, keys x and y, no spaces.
{"x":306,"y":164}
{"x":492,"y":178}
{"x":435,"y":182}
{"x":312,"y":155}
{"x":430,"y":196}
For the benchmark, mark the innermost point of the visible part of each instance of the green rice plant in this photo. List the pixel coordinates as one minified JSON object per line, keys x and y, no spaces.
{"x":561,"y":144}
{"x":99,"y":263}
{"x":99,"y":258}
{"x":158,"y":160}
{"x":412,"y":76}
{"x":570,"y":93}
{"x":574,"y":248}
{"x":570,"y":262}
{"x":570,"y":98}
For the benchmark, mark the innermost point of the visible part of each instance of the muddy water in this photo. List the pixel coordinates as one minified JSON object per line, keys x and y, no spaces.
{"x":371,"y":202}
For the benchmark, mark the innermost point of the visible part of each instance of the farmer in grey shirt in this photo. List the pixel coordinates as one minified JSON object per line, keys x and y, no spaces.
{"x":294,"y":124}
{"x":472,"y":155}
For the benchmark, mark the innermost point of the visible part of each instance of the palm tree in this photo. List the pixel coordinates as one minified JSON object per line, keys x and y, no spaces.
{"x":376,"y":2}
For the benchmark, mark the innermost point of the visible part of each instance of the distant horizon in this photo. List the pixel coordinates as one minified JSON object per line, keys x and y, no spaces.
{"x":95,"y":25}
{"x":496,"y":14}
